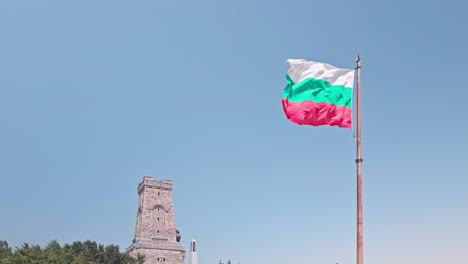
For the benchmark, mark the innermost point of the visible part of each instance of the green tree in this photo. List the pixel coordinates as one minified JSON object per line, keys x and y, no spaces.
{"x":53,"y":253}
{"x":5,"y":250}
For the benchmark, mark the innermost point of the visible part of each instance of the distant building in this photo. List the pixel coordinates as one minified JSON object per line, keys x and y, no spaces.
{"x":193,"y":258}
{"x":156,"y":236}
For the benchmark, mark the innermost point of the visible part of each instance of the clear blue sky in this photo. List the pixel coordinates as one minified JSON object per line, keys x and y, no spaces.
{"x":96,"y":94}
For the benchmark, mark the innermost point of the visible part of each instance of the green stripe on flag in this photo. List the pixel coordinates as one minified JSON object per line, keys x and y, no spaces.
{"x":318,"y":91}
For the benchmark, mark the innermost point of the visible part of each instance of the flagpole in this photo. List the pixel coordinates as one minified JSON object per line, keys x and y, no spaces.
{"x":359,"y":160}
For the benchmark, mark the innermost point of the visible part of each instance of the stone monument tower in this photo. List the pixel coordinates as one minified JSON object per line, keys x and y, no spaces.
{"x":156,"y":236}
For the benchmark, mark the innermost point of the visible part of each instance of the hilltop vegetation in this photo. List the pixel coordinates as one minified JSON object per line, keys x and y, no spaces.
{"x":87,"y":252}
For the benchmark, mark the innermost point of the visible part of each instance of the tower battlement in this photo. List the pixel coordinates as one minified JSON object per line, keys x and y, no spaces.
{"x":151,"y":182}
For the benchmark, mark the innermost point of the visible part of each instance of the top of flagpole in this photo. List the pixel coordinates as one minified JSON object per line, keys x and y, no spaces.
{"x":358,"y":61}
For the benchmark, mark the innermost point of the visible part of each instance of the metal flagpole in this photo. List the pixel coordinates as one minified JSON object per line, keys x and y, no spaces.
{"x":359,"y":244}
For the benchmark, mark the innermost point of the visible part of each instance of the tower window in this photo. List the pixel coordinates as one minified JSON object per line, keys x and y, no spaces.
{"x":158,"y":231}
{"x":158,"y":194}
{"x":158,"y":218}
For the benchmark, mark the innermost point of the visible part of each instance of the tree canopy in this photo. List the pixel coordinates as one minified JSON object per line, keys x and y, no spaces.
{"x":75,"y":253}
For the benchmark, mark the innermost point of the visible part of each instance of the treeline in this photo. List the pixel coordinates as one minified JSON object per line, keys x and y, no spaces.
{"x":87,"y":252}
{"x":228,"y":262}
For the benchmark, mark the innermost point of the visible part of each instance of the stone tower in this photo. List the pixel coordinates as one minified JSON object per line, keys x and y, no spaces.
{"x":156,"y":236}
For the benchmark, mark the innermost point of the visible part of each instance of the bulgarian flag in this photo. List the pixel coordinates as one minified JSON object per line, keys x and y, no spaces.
{"x":318,"y":94}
